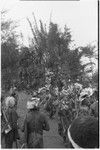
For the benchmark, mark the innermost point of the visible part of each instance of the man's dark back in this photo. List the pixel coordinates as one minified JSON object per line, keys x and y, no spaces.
{"x":37,"y":121}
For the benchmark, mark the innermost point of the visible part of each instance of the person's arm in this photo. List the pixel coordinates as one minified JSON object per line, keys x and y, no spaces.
{"x":24,"y":129}
{"x":46,"y":124}
{"x":14,"y":119}
{"x":23,"y":126}
{"x":91,"y":112}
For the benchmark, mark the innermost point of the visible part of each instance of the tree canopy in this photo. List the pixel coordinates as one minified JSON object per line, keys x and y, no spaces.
{"x":49,"y":50}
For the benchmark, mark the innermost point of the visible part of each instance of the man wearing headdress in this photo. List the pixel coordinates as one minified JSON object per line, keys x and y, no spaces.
{"x":34,"y":124}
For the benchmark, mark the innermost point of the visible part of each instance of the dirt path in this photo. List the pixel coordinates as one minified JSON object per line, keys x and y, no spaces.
{"x":52,"y":138}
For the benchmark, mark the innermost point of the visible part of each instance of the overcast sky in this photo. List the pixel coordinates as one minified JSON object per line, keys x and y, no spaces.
{"x":79,"y":16}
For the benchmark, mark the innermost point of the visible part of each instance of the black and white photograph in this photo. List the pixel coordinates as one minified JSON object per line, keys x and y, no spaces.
{"x":49,"y":74}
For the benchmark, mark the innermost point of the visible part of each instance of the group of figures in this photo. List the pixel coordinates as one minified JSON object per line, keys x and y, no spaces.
{"x":34,"y":123}
{"x":81,"y":105}
{"x":72,"y":103}
{"x":77,"y":117}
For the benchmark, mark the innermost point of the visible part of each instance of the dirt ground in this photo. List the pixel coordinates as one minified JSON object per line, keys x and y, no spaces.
{"x":52,"y":138}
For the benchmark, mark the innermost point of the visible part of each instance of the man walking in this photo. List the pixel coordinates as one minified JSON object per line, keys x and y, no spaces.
{"x":34,"y":124}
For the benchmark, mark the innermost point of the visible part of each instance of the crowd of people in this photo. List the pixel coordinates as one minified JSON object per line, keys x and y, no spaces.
{"x":77,"y":118}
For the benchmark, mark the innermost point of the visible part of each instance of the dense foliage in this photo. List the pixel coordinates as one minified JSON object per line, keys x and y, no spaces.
{"x":49,"y":51}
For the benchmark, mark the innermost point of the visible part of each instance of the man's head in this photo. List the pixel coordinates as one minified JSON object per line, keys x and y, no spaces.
{"x":33,"y":103}
{"x":84,"y":133}
{"x":10,"y":102}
